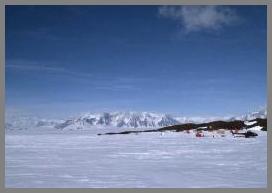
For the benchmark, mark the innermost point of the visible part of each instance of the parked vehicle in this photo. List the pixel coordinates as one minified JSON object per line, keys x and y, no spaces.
{"x":248,"y":134}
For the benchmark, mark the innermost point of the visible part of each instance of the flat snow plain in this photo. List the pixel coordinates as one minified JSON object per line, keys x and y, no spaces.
{"x":81,"y":159}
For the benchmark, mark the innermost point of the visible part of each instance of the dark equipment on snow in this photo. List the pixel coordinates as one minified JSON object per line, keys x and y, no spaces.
{"x":247,"y":134}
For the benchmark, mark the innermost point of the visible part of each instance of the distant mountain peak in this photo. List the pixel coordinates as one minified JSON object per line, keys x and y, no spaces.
{"x":118,"y":119}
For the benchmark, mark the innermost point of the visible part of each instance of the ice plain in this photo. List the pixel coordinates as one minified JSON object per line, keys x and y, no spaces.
{"x":81,"y":159}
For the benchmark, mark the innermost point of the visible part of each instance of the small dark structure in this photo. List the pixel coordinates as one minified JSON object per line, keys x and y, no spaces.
{"x":248,"y":134}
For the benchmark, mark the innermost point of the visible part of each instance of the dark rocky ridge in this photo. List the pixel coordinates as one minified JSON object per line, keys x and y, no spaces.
{"x":210,"y":126}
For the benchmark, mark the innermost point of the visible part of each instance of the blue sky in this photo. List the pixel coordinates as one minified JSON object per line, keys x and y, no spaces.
{"x":187,"y":60}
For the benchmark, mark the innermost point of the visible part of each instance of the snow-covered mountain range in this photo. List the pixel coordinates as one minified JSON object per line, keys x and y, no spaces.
{"x":252,"y":115}
{"x":119,"y":119}
{"x":116,"y":120}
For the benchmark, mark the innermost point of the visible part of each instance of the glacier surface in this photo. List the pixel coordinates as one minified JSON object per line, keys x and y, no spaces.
{"x":146,"y":160}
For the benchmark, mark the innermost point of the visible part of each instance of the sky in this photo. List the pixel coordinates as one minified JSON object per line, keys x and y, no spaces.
{"x":185,"y":60}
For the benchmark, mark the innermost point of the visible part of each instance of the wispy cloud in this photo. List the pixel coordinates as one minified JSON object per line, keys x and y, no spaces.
{"x":94,"y":81}
{"x":197,"y":17}
{"x":36,"y":66}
